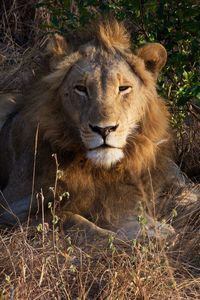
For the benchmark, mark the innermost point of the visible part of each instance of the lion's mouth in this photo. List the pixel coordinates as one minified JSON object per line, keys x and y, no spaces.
{"x":105,"y":156}
{"x":104,"y":146}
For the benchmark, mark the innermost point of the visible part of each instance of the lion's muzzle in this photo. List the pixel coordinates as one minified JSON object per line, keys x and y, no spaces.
{"x":103,"y":131}
{"x":104,"y":143}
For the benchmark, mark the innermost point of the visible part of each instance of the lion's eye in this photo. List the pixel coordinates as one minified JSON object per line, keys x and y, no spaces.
{"x":81,"y":90}
{"x":124,"y":89}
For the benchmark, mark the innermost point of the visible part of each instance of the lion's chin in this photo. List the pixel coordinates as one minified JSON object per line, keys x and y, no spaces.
{"x":105,"y":157}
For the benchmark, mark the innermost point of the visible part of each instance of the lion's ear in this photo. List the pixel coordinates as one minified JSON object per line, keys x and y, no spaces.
{"x":57,"y":45}
{"x":154,"y":56}
{"x":56,"y":49}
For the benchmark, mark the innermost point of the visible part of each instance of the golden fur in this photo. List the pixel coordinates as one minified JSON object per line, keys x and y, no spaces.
{"x":62,"y":114}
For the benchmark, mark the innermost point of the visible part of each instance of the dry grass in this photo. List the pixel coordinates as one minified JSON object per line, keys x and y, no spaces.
{"x":188,"y":143}
{"x":20,"y":42}
{"x":35,"y":267}
{"x":49,"y":265}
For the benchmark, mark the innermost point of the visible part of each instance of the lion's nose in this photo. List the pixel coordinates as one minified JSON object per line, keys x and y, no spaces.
{"x":103,"y":131}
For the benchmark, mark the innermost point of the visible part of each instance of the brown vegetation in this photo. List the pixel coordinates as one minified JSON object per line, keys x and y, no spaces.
{"x":40,"y":267}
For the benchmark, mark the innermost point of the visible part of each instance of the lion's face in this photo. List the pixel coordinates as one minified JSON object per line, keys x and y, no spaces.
{"x":105,"y":103}
{"x":106,"y":93}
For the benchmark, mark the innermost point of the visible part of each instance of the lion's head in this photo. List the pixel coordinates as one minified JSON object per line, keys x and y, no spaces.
{"x":103,"y":97}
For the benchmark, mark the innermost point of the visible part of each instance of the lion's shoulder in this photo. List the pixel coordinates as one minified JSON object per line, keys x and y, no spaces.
{"x":7,"y":106}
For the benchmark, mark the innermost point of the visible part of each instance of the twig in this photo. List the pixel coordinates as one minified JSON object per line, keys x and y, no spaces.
{"x":194,"y":113}
{"x":54,"y":235}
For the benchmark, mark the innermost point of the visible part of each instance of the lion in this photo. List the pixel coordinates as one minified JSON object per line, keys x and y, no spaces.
{"x":92,"y":136}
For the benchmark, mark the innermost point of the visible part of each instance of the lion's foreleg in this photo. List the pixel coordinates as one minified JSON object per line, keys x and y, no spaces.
{"x":71,"y":221}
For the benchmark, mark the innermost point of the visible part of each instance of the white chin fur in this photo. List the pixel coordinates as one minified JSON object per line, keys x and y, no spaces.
{"x":105,"y":157}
